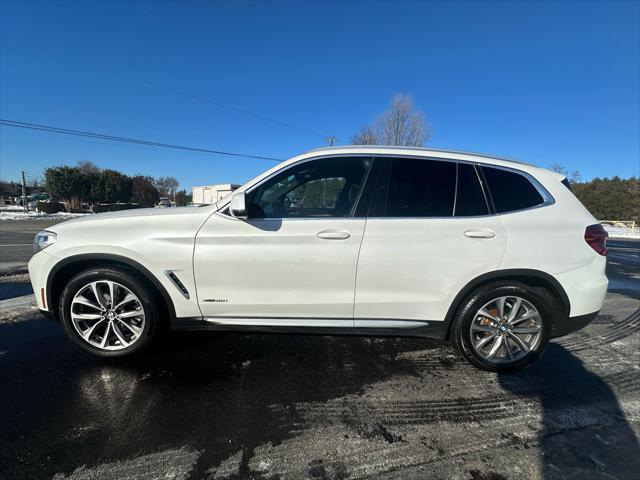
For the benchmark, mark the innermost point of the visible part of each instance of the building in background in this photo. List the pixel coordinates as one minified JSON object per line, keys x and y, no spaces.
{"x":209,"y":194}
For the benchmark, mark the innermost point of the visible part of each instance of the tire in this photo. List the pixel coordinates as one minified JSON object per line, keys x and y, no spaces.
{"x":471,"y":329}
{"x":79,"y":299}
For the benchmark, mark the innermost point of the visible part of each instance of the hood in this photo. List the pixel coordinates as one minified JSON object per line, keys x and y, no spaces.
{"x":137,"y":214}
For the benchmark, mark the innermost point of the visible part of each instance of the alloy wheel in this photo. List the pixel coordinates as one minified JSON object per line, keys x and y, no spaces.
{"x":107,"y":315}
{"x":506,"y":329}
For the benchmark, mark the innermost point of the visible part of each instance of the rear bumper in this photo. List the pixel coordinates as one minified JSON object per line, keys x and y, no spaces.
{"x":572,"y":324}
{"x":585,"y":287}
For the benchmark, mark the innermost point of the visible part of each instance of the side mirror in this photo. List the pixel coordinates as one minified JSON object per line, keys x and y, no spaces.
{"x":237,"y":206}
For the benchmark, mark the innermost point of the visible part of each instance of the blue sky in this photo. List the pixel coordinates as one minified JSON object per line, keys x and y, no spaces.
{"x":543,"y":82}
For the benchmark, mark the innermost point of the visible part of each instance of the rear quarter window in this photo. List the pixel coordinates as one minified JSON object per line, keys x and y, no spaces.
{"x":511,"y":191}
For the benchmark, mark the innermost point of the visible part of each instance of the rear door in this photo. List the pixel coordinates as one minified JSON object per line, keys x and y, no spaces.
{"x":429,"y":232}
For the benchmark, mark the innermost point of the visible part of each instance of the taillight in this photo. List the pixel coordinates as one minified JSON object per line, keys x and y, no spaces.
{"x":596,"y":237}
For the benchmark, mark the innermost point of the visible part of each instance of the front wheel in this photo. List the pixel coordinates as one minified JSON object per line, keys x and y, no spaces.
{"x":108,"y":312}
{"x":504,"y":327}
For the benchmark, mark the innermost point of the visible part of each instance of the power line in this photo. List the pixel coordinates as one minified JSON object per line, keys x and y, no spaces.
{"x":102,"y":136}
{"x":239,"y":110}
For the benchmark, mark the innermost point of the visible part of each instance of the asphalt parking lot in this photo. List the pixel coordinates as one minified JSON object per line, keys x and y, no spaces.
{"x":319,"y":407}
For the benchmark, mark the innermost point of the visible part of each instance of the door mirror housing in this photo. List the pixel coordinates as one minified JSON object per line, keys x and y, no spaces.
{"x":237,"y":206}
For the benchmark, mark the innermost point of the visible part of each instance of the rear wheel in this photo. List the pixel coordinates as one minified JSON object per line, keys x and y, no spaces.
{"x":109,"y":312}
{"x":504,"y":326}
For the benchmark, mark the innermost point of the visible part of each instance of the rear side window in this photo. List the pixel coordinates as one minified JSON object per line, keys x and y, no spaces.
{"x":511,"y":191}
{"x":421,"y":188}
{"x":470,"y":200}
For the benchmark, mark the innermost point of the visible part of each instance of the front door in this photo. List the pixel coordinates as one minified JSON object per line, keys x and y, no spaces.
{"x":293,"y":261}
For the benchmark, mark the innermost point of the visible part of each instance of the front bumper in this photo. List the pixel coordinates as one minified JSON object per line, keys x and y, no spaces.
{"x":40,"y":266}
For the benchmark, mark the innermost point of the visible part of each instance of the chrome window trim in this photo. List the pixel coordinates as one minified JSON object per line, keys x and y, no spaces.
{"x":455,"y":190}
{"x":485,"y":193}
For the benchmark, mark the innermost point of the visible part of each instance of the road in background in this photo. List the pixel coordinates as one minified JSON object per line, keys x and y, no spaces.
{"x":16,"y":242}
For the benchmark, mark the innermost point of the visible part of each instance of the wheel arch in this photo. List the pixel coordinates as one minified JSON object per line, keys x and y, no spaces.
{"x":534,"y":278}
{"x":62,"y":272}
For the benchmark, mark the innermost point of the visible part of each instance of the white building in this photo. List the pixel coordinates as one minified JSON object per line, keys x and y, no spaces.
{"x":209,"y":194}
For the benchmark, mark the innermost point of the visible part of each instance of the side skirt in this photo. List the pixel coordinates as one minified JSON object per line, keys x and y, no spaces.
{"x":316,"y":326}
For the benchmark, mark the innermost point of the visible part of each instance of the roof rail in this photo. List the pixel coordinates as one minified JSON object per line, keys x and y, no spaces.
{"x":420,"y":149}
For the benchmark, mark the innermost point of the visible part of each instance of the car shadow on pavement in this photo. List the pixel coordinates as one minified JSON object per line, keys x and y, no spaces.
{"x":597,"y":440}
{"x":217,"y":395}
{"x":226,"y":396}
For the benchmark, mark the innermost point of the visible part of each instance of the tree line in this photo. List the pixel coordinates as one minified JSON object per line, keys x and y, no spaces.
{"x":86,"y":183}
{"x":610,"y":198}
{"x":606,"y":198}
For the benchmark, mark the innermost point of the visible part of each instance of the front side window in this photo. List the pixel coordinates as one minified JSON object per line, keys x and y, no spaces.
{"x":421,"y":188}
{"x":328,"y":187}
{"x":511,"y":191}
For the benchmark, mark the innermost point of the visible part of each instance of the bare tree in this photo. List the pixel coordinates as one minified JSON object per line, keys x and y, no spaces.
{"x":87,"y":166}
{"x":167,"y":186}
{"x":36,"y":183}
{"x":366,"y":136}
{"x":573,"y":175}
{"x":401,"y":124}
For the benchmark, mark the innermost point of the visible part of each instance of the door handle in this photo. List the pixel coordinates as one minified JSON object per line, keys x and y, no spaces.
{"x":480,"y":233}
{"x":334,"y":234}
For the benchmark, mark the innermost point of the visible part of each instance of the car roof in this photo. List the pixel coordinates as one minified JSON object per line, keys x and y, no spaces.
{"x":419,"y":151}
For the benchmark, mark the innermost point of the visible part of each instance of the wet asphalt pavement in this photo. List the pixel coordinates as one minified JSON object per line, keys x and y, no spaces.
{"x":320,"y":407}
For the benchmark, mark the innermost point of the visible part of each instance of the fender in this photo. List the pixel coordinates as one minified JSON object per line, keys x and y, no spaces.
{"x":108,"y":257}
{"x":508,"y":274}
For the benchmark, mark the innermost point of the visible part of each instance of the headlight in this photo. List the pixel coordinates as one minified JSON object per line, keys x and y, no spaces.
{"x":43,"y":239}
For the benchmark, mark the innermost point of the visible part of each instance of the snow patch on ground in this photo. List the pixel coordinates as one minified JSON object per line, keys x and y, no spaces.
{"x":621,"y":232}
{"x":18,"y":309}
{"x":17,"y":213}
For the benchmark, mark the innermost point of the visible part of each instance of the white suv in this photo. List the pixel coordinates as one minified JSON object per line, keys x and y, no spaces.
{"x":495,"y":255}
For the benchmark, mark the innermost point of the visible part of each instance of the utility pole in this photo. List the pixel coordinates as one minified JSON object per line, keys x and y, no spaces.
{"x":25,"y":205}
{"x":331,"y":140}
